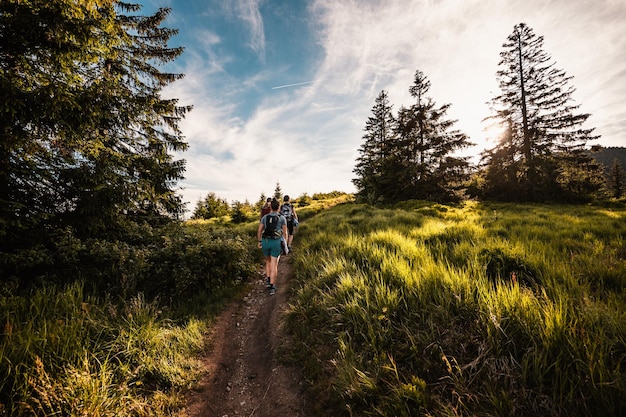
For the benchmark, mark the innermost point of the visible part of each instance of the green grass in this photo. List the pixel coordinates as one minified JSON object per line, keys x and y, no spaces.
{"x":475,"y":309}
{"x":65,"y":353}
{"x":420,"y":309}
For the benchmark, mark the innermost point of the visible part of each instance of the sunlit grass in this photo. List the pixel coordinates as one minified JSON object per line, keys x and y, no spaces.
{"x":64,"y":353}
{"x":476,"y":309}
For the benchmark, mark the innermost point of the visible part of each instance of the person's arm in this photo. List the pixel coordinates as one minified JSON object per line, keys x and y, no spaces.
{"x":259,"y":232}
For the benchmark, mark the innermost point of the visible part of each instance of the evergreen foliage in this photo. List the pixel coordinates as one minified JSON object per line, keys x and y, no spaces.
{"x":541,"y":156}
{"x":616,"y":179}
{"x":86,"y":136}
{"x":212,"y":206}
{"x":260,"y":202}
{"x":278,"y":193}
{"x":375,"y":151}
{"x":410,"y":156}
{"x":241,"y":212}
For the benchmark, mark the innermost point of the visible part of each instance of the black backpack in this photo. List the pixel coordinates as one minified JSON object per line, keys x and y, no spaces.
{"x":271,"y":227}
{"x":286,"y":211}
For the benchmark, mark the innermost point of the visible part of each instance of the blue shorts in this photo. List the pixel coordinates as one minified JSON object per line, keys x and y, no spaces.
{"x":271,"y":247}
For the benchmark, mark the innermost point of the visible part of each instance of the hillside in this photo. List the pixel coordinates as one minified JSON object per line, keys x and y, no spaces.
{"x":606,"y":156}
{"x":476,"y":309}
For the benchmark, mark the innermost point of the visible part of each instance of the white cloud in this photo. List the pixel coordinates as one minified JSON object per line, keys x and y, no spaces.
{"x":248,"y":11}
{"x":307,"y":136}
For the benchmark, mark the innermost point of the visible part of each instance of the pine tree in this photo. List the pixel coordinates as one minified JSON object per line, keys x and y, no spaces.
{"x":427,"y":143}
{"x":87,"y":139}
{"x":212,"y":206}
{"x":240,"y":212}
{"x":278,"y":193}
{"x":375,"y":152}
{"x":545,"y":140}
{"x":260,"y":202}
{"x":500,"y":174}
{"x":85,"y":135}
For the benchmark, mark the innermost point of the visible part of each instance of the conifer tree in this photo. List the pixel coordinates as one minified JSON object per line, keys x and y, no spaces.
{"x":240,"y":212}
{"x":260,"y":202}
{"x":87,"y":137}
{"x":427,"y":143}
{"x":212,"y":206}
{"x":411,"y":155}
{"x":278,"y":192}
{"x":545,"y":141}
{"x":376,"y":152}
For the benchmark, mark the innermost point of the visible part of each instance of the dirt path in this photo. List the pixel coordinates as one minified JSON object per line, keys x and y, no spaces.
{"x":243,"y":374}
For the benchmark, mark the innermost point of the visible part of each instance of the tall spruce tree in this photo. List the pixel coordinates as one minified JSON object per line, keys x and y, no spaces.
{"x":375,"y":154}
{"x":543,"y":148}
{"x":212,"y":206}
{"x":85,"y":134}
{"x":427,"y":143}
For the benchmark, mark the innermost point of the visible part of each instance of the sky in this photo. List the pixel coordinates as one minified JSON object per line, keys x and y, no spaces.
{"x":281,"y":89}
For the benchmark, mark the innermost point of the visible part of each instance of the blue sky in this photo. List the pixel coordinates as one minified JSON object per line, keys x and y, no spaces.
{"x":282,"y":89}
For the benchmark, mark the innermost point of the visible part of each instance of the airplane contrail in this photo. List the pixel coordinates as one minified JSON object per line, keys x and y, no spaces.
{"x":293,"y":85}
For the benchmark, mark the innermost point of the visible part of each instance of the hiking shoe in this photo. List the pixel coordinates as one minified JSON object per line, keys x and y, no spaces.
{"x":267,"y":283}
{"x":272,"y":289}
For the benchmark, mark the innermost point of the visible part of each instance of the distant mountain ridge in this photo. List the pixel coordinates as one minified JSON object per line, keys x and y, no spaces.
{"x":606,"y":156}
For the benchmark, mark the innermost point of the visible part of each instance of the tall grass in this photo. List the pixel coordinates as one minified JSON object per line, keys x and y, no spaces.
{"x":65,"y":353}
{"x":476,"y":309}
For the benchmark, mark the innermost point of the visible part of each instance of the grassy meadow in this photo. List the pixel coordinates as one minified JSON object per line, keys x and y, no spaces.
{"x":66,"y":350}
{"x":480,"y":309}
{"x":421,"y":309}
{"x":74,"y":351}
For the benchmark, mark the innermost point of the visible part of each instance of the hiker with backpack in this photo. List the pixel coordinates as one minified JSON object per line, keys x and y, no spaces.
{"x":289,"y":212}
{"x":267,"y":207}
{"x":272,"y":229}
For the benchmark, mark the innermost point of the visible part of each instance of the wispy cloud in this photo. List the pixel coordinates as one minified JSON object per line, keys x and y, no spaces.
{"x":249,"y":12}
{"x":306,"y":134}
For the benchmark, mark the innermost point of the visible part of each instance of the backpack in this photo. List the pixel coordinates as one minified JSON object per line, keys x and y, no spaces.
{"x":271,"y":230}
{"x":286,"y":211}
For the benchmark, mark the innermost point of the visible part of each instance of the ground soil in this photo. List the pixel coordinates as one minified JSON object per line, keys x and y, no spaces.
{"x":244,"y":375}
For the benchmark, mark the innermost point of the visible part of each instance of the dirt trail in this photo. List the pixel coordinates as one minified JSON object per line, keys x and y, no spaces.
{"x":243,"y":374}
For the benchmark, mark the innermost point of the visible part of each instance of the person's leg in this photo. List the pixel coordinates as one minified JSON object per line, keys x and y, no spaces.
{"x":266,"y":247}
{"x":290,"y":233}
{"x":268,"y":266}
{"x":274,"y":269}
{"x":275,"y":256}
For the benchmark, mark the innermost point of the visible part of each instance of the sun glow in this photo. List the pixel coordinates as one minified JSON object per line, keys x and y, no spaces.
{"x":492,"y":131}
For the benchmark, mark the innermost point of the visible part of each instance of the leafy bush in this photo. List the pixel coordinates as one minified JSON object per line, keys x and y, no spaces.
{"x":171,"y":262}
{"x":198,"y":259}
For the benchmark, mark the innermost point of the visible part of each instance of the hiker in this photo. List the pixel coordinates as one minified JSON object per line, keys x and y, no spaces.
{"x":272,"y":228}
{"x":289,"y":212}
{"x":266,"y":207}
